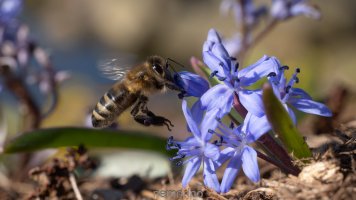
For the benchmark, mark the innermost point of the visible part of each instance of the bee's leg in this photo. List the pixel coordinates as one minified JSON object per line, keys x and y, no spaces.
{"x":149,"y":118}
{"x":140,"y":105}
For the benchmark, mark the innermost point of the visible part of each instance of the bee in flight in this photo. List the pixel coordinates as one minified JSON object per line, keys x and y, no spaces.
{"x":131,"y":89}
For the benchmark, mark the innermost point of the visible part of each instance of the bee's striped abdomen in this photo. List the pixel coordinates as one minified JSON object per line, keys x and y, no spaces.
{"x":111,"y":105}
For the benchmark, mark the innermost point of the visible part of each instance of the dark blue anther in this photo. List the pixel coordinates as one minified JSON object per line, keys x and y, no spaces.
{"x":288,"y":88}
{"x":213,"y":74}
{"x":297,"y":70}
{"x":233,"y":58}
{"x":210,"y":131}
{"x":236,"y":67}
{"x":232,"y":125}
{"x":272,"y":74}
{"x":218,"y":119}
{"x":296,"y":79}
{"x":285,"y":67}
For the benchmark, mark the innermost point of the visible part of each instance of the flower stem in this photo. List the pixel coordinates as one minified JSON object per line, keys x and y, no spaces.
{"x":277,"y":163}
{"x":279,"y":152}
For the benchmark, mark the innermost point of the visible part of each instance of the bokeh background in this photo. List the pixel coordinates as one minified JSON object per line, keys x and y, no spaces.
{"x":80,"y":33}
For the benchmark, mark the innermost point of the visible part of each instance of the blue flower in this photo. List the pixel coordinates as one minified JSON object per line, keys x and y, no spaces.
{"x":284,"y":9}
{"x":234,"y":81}
{"x":193,"y":84}
{"x":197,"y":150}
{"x":237,"y":140}
{"x":246,"y":8}
{"x":10,"y":9}
{"x":233,"y":45}
{"x":296,"y":97}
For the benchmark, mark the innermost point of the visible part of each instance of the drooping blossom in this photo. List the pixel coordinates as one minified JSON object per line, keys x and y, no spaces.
{"x":197,"y":150}
{"x":285,"y":9}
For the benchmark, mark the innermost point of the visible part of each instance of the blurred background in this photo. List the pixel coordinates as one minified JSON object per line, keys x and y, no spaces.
{"x":80,"y":33}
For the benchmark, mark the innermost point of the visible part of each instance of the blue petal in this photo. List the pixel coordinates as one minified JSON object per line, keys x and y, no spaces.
{"x":249,"y":164}
{"x":310,"y":106}
{"x":256,"y":127}
{"x":191,"y":169}
{"x":211,"y":151}
{"x":233,"y":45}
{"x":218,"y":97}
{"x":213,"y":36}
{"x":10,"y":9}
{"x":299,"y":93}
{"x":252,"y":101}
{"x":220,"y":52}
{"x":216,"y":58}
{"x":258,"y":70}
{"x":209,"y":174}
{"x":197,"y":112}
{"x":190,"y":121}
{"x":230,"y":173}
{"x":306,"y":10}
{"x":213,"y":62}
{"x":225,"y":155}
{"x":209,"y":122}
{"x":279,"y":9}
{"x":193,"y":84}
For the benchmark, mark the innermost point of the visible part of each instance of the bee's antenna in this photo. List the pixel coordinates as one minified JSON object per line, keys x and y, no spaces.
{"x":169,"y":59}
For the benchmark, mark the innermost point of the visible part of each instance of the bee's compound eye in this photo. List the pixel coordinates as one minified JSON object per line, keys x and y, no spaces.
{"x":158,"y":68}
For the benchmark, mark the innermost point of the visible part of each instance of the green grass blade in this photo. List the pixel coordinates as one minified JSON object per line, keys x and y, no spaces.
{"x":283,"y":126}
{"x":71,"y":136}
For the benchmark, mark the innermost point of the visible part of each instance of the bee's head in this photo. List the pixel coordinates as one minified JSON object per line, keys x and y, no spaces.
{"x":159,"y":67}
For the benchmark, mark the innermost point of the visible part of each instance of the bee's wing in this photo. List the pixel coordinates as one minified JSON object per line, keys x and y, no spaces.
{"x":114,"y":68}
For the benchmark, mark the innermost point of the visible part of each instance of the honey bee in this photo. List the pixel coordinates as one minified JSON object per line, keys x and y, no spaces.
{"x":131,"y":89}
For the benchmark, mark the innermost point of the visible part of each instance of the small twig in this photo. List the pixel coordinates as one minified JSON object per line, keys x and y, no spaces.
{"x":259,"y":36}
{"x":271,"y":24}
{"x":18,"y":88}
{"x":45,"y":62}
{"x":75,"y":186}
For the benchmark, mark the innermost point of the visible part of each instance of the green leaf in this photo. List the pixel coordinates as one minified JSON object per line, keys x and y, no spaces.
{"x":71,"y":136}
{"x":283,"y":126}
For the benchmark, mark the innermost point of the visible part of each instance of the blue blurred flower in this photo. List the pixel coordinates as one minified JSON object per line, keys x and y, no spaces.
{"x":233,"y":45}
{"x":237,"y":140}
{"x":284,"y":9}
{"x":234,"y":81}
{"x":197,"y":150}
{"x":193,"y":84}
{"x":10,"y":9}
{"x":296,"y":97}
{"x":244,"y":10}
